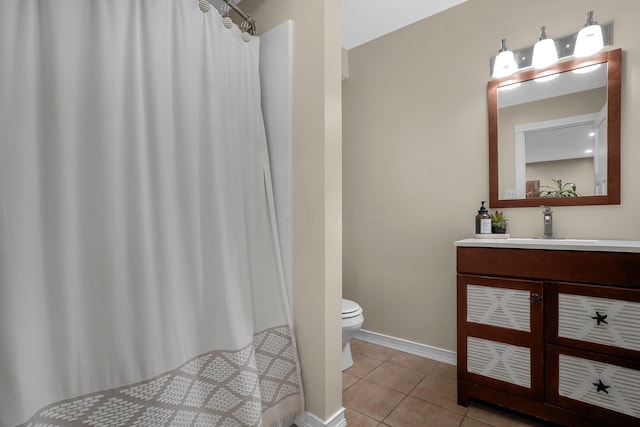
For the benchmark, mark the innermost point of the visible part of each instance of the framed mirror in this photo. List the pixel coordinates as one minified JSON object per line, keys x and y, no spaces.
{"x":554,"y":134}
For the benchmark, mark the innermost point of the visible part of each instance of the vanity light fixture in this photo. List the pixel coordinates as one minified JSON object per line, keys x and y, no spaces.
{"x":508,"y":62}
{"x":505,"y":63}
{"x":544,"y":51}
{"x":589,"y":40}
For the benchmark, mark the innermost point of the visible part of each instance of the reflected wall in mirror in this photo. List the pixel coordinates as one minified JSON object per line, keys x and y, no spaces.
{"x":561,"y":123}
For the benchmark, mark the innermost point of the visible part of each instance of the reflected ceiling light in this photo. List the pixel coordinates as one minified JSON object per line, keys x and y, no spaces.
{"x":589,"y":151}
{"x":587,"y":69}
{"x":544,"y":51}
{"x":589,"y":39}
{"x":505,"y":63}
{"x":509,"y":86}
{"x":546,"y":78}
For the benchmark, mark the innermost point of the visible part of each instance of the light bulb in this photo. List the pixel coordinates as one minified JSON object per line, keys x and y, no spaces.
{"x":505,"y":63}
{"x":589,"y":39}
{"x":587,"y":69}
{"x":544,"y":51}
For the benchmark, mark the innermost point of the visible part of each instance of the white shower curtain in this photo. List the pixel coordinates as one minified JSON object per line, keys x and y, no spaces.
{"x":139,"y":277}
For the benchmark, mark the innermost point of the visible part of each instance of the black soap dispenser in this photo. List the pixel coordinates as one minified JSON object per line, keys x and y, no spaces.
{"x":483,"y":220}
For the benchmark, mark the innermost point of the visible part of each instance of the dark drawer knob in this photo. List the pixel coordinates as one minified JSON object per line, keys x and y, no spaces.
{"x":601,"y":387}
{"x":600,"y":318}
{"x":536,"y":298}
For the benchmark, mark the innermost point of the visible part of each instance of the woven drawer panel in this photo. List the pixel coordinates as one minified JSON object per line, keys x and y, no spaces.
{"x":579,"y":379}
{"x":578,"y":319}
{"x":508,"y":308}
{"x":500,"y":361}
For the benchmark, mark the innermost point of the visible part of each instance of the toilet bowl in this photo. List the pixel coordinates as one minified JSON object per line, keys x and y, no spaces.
{"x":352,"y":320}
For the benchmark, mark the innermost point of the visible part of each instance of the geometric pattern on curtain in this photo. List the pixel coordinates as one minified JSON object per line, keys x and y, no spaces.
{"x":215,"y":388}
{"x":139,"y":282}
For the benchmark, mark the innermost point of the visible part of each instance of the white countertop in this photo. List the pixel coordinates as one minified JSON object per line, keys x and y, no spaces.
{"x":554,"y":244}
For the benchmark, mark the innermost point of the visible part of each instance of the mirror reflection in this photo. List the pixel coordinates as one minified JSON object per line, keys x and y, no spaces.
{"x":554,"y":135}
{"x":554,"y":128}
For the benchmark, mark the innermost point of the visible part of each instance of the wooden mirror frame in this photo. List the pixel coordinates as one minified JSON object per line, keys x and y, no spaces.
{"x":613,"y":59}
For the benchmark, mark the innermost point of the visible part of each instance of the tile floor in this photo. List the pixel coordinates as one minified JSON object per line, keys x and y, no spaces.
{"x":385,"y":387}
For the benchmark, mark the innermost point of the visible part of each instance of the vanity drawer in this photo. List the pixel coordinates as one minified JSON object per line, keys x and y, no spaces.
{"x":499,"y":361}
{"x":583,"y":317}
{"x":504,"y":307}
{"x":591,"y":382}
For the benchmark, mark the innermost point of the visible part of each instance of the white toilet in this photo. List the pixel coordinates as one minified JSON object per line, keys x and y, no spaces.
{"x":352,"y":320}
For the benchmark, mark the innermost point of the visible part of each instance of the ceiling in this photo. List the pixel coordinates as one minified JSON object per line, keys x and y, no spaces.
{"x":365,"y":20}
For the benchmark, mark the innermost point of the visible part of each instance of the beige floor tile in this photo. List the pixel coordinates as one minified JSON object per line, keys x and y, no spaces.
{"x":414,"y":412}
{"x":395,"y":377}
{"x":370,"y":399}
{"x":372,"y":350}
{"x":348,"y":380}
{"x":375,"y":387}
{"x":500,"y":418}
{"x":356,"y":419}
{"x":440,"y":387}
{"x":410,"y":361}
{"x":444,"y":370}
{"x":362,"y":365}
{"x":470,"y":422}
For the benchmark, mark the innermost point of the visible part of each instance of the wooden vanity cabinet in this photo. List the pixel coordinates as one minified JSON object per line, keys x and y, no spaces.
{"x":551,"y":333}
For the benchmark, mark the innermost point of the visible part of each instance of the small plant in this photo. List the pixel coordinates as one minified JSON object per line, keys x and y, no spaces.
{"x":567,"y":189}
{"x":498,"y":223}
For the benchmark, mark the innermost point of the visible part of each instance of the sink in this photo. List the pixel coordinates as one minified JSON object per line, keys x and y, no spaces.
{"x":555,"y":241}
{"x":558,"y":244}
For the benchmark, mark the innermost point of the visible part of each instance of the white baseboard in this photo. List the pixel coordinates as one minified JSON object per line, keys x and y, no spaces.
{"x":337,"y":420}
{"x":309,"y":420}
{"x":434,"y":353}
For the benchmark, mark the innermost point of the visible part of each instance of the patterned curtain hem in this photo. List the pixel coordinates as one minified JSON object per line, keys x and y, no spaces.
{"x":258,"y":385}
{"x":287,"y":408}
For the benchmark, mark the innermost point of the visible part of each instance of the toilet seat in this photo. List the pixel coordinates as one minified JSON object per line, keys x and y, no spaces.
{"x":350,"y":309}
{"x":352,"y":321}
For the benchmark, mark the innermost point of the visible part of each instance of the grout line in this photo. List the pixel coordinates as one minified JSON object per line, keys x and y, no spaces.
{"x":357,"y":381}
{"x":394,"y":408}
{"x":364,"y":415}
{"x":424,"y":374}
{"x":390,"y":389}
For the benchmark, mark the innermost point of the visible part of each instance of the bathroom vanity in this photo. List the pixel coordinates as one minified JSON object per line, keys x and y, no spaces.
{"x":551,"y":328}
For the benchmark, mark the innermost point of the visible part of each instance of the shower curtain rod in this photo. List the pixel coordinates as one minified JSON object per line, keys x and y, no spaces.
{"x":249,"y":23}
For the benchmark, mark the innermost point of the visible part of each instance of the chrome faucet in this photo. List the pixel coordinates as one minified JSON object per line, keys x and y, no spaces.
{"x":548,"y":222}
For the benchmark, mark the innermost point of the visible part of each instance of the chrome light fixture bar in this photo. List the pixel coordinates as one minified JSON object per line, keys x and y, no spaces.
{"x":564,"y":46}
